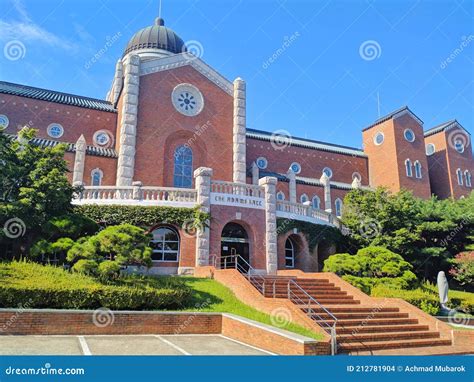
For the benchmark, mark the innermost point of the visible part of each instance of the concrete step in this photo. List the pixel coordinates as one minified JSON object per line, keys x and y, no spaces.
{"x":375,"y":345}
{"x":393,"y":336}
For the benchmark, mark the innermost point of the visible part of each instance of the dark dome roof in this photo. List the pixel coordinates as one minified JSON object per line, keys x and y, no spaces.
{"x":156,"y":37}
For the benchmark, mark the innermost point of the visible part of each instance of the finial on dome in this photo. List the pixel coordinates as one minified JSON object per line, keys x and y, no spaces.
{"x":159,"y":21}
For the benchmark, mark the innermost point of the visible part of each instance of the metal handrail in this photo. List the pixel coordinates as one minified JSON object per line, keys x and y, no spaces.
{"x":311,"y":313}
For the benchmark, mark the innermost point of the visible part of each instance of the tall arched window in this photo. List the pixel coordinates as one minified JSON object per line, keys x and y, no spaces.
{"x":289,"y":253}
{"x":408,"y":168}
{"x":165,"y":244}
{"x":418,"y":169}
{"x":338,"y":205}
{"x":183,"y":167}
{"x":467,"y":175}
{"x":316,"y":202}
{"x":96,"y":177}
{"x":459,"y":175}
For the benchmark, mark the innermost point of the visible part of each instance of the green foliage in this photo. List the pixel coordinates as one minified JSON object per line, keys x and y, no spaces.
{"x":72,"y":226}
{"x":144,"y":217}
{"x":86,"y":267}
{"x":427,"y":233}
{"x":37,"y":286}
{"x":463,"y":269}
{"x":109,"y":270}
{"x":33,"y":186}
{"x":372,"y":266}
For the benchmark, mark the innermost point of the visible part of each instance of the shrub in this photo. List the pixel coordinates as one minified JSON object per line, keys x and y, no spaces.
{"x":86,"y":267}
{"x":422,"y":299}
{"x":463,"y":268}
{"x":109,"y":270}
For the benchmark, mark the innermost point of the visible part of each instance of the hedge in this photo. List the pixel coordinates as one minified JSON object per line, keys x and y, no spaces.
{"x":144,"y":217}
{"x":112,"y":297}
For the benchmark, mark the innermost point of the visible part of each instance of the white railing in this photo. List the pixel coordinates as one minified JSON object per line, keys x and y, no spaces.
{"x":297,"y":210}
{"x":134,"y":195}
{"x":240,"y":189}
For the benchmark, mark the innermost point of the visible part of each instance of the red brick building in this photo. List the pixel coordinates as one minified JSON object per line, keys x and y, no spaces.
{"x":172,"y":131}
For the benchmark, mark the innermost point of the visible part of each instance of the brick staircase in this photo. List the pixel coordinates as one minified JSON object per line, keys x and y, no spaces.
{"x":359,"y":327}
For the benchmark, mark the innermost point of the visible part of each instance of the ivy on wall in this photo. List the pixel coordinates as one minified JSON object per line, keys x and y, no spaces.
{"x":315,"y":233}
{"x":145,"y":217}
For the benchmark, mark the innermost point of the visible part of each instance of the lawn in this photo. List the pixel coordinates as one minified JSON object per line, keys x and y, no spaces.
{"x":33,"y":285}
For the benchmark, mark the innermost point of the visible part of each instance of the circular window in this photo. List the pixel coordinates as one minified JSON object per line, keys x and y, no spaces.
{"x":430,"y":149}
{"x":378,"y":139}
{"x":4,"y":121}
{"x":55,"y":130}
{"x":102,"y":138}
{"x":295,"y":167}
{"x":187,"y":99}
{"x":356,"y":175}
{"x":409,"y":135}
{"x":262,"y":163}
{"x":328,"y":172}
{"x":459,"y":145}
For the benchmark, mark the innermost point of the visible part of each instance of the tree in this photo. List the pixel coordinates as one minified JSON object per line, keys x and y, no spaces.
{"x":427,"y":233}
{"x":33,"y":188}
{"x":463,"y":269}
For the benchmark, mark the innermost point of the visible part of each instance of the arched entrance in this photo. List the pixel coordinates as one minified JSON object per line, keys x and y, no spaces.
{"x":235,"y":241}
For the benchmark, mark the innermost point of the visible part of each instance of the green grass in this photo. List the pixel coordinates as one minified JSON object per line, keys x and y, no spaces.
{"x":206,"y":295}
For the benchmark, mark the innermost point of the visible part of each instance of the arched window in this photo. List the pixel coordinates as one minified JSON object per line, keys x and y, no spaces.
{"x":165,"y":244}
{"x":467,"y":175}
{"x":338,"y":205}
{"x":280,"y":195}
{"x":408,"y":168}
{"x":304,"y":198}
{"x":289,"y":253}
{"x":183,"y":167}
{"x":418,"y":169}
{"x":316,"y":202}
{"x":96,"y":177}
{"x":459,"y":175}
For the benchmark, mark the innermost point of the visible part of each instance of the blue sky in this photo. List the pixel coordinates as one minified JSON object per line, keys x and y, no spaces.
{"x":330,"y":58}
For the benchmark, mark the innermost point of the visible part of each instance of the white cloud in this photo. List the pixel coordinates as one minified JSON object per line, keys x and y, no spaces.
{"x":28,"y":31}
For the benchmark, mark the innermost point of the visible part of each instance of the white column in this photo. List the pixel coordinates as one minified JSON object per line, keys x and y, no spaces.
{"x":202,"y":177}
{"x":79,"y":161}
{"x":327,"y":192}
{"x":239,"y":139}
{"x":255,"y":173}
{"x":128,"y":121}
{"x":292,"y":185}
{"x":269,"y":185}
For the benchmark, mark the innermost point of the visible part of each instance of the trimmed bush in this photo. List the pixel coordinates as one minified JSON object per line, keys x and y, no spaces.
{"x":422,"y":299}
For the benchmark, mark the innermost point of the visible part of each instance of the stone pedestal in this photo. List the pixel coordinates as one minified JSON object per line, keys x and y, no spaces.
{"x":269,"y":185}
{"x":239,"y":131}
{"x":202,"y":177}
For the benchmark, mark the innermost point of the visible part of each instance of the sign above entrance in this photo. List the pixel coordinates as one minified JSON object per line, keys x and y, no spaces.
{"x":237,"y":201}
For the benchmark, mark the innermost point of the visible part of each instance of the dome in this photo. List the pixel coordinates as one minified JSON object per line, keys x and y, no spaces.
{"x":156,"y":37}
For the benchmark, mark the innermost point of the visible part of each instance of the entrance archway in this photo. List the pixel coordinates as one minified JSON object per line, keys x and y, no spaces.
{"x":235,"y":241}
